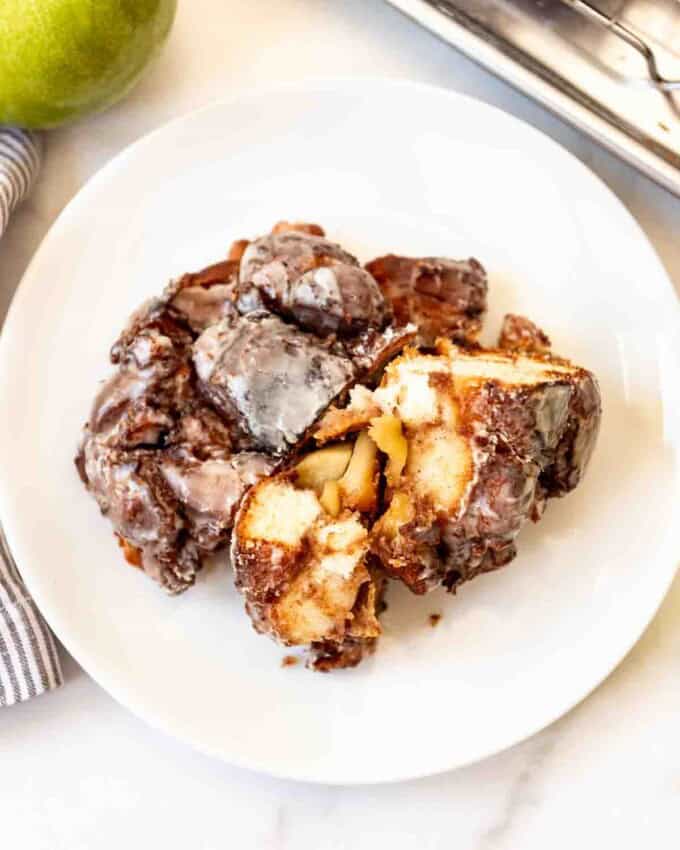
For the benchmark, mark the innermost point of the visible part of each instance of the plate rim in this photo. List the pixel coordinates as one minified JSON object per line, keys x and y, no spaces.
{"x":125,"y":696}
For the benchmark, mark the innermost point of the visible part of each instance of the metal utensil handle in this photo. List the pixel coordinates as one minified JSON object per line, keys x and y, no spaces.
{"x":630,"y":37}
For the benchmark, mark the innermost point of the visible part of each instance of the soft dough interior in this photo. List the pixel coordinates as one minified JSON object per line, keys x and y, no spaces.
{"x":321,"y":559}
{"x":445,"y":454}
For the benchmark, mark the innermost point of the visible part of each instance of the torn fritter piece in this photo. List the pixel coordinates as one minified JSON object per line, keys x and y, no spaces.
{"x":270,"y":378}
{"x":303,"y":572}
{"x":300,"y":558}
{"x":476,"y":441}
{"x":487,"y":432}
{"x":311,"y":281}
{"x":520,"y":334}
{"x":441,"y":297}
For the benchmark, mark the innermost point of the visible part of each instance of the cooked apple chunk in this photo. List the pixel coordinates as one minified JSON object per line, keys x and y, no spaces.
{"x":359,"y":484}
{"x":331,"y":498}
{"x":387,"y":434}
{"x":323,"y":465}
{"x":302,"y":570}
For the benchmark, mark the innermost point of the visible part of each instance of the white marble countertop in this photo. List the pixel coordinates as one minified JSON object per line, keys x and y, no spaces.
{"x":78,"y":771}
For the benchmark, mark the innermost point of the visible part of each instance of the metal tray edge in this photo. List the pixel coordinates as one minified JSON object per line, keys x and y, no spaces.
{"x":494,"y":60}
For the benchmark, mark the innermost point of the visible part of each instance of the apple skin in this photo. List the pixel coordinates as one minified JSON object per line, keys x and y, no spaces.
{"x":62,"y":59}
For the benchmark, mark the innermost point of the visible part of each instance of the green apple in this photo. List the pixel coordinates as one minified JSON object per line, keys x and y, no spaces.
{"x":60,"y":59}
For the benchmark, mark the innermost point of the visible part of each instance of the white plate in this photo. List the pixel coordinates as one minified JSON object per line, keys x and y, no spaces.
{"x":383,"y":166}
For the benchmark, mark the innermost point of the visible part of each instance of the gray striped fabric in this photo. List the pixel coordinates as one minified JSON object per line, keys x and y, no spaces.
{"x":29,"y":664}
{"x":19,"y":165}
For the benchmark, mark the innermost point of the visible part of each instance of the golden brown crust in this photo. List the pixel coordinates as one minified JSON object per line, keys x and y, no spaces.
{"x":132,"y":554}
{"x":405,"y":553}
{"x":263,"y":568}
{"x":223,"y":272}
{"x":372,"y":350}
{"x":520,"y":334}
{"x":299,"y":226}
{"x":326,"y":656}
{"x":487,"y":438}
{"x":339,"y":422}
{"x":237,"y":250}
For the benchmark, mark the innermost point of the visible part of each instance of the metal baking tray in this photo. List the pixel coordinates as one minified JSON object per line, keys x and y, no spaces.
{"x":609,"y":67}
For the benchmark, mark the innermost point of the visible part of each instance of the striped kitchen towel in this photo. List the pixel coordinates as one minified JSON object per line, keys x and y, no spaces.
{"x":29,"y":664}
{"x":19,"y":165}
